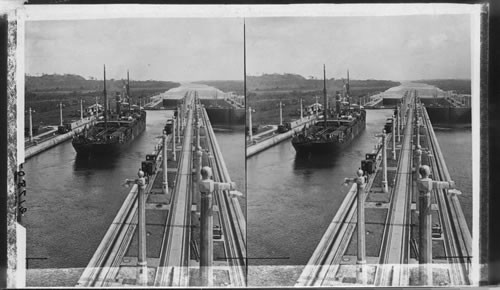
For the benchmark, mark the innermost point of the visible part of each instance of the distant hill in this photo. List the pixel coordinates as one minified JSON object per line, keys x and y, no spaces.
{"x":225,"y":86}
{"x":461,"y":86}
{"x":69,"y":82}
{"x":297,"y":82}
{"x":294,"y":82}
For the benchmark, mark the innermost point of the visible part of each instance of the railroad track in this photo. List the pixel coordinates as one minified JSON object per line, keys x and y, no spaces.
{"x":457,"y":237}
{"x":231,"y":215}
{"x":395,"y":244}
{"x":174,"y":256}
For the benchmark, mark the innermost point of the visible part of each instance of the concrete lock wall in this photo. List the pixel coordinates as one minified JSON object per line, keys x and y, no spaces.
{"x":449,"y":115}
{"x":34,"y":150}
{"x":171,"y":103}
{"x":390,"y":101}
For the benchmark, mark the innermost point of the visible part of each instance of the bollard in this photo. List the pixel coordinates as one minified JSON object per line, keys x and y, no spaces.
{"x":207,"y":186}
{"x":360,"y":181}
{"x":425,"y":185}
{"x":384,"y":160}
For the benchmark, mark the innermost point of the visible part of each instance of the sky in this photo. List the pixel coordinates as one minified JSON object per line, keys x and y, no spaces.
{"x":175,"y":49}
{"x":187,"y":49}
{"x":388,"y":47}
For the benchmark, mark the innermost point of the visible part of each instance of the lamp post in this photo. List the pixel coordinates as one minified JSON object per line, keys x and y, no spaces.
{"x":360,"y":181}
{"x":142,"y":269}
{"x":165,"y":165}
{"x":207,"y":186}
{"x":384,"y":160}
{"x":31,"y":126}
{"x":281,"y":114}
{"x":301,"y":110}
{"x":173,"y":139}
{"x":425,"y":185}
{"x":393,"y":138}
{"x":179,"y":123}
{"x":250,"y":133}
{"x":60,"y":114}
{"x":398,"y":120}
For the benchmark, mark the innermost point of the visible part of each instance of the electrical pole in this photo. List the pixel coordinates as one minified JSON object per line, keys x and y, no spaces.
{"x":173,"y":139}
{"x":81,"y":109}
{"x":398,"y":121}
{"x":393,"y":138}
{"x":60,"y":114}
{"x":384,"y":160}
{"x":301,"y":110}
{"x":281,"y":115}
{"x":165,"y":165}
{"x":360,"y":181}
{"x":31,"y":126}
{"x":250,"y":132}
{"x":142,"y":269}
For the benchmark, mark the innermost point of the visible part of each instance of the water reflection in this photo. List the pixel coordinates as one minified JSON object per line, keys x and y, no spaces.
{"x":86,"y":162}
{"x":309,"y":160}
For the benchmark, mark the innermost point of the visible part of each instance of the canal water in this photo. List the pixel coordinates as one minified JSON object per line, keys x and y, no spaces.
{"x":292,"y":200}
{"x":71,"y":202}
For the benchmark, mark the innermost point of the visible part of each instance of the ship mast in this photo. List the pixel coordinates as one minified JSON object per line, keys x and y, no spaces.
{"x":128,"y":94}
{"x":324,"y":93}
{"x":348,"y":93}
{"x":105,"y":102}
{"x":244,"y":63}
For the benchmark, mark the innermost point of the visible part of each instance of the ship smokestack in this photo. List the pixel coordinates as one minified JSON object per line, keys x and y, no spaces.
{"x":324,"y":93}
{"x":105,"y":102}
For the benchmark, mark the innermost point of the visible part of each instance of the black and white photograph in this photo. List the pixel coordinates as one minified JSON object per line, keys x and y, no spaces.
{"x":131,"y":119}
{"x":359,"y":150}
{"x":299,"y":145}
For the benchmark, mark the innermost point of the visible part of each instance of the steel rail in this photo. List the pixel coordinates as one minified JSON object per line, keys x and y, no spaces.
{"x":458,"y":239}
{"x":231,"y":216}
{"x":174,"y":256}
{"x":395,"y":249}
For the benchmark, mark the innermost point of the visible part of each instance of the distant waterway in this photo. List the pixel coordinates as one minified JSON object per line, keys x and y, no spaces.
{"x":72,"y":202}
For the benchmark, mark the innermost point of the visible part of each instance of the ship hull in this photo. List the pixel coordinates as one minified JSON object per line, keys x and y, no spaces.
{"x":325,"y":146}
{"x":108,"y":148}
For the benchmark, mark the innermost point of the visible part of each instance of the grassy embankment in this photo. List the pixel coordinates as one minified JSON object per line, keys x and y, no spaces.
{"x":460,"y":86}
{"x":43,"y":94}
{"x":265,"y":93}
